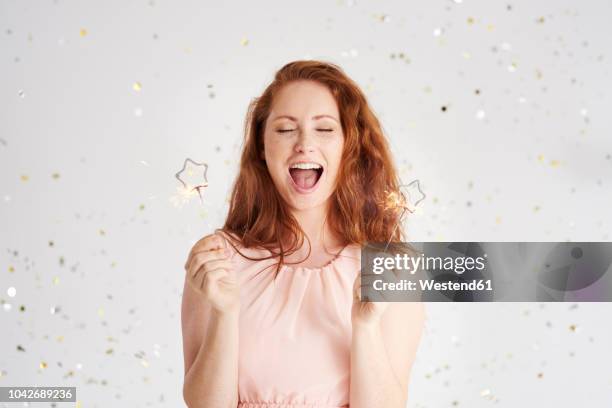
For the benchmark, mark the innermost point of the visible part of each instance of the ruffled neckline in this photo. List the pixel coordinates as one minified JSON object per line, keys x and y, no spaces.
{"x":331,"y":263}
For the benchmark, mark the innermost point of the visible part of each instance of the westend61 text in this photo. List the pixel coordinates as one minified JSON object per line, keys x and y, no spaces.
{"x":405,"y":284}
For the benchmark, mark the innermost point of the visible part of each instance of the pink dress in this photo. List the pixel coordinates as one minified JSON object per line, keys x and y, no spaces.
{"x":295,"y":332}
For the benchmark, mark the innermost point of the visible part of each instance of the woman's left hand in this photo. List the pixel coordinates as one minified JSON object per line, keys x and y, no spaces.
{"x":366,"y":313}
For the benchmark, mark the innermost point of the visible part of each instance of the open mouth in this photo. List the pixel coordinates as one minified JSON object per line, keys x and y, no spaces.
{"x":305,"y":175}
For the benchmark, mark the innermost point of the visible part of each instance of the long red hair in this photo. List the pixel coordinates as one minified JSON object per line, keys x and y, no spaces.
{"x":259,"y":217}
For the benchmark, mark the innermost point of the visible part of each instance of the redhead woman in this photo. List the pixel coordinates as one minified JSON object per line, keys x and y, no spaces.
{"x":271,"y":309}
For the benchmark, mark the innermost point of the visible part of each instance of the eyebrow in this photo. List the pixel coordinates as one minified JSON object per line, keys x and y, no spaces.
{"x":314,"y":117}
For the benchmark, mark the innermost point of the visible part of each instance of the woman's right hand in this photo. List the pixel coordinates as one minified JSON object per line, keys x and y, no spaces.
{"x":211,"y":273}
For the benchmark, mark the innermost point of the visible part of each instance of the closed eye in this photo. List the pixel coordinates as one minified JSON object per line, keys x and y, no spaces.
{"x":291,"y":130}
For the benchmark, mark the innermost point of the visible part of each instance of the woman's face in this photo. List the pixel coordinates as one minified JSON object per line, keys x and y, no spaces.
{"x":303,"y":143}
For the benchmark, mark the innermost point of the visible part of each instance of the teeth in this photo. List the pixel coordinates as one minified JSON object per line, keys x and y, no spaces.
{"x":305,"y":166}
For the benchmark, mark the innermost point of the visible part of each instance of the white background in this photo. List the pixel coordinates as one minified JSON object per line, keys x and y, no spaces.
{"x":94,"y":245}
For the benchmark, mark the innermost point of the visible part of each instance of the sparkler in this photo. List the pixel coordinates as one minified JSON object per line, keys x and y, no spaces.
{"x":187,"y":189}
{"x":397,"y":201}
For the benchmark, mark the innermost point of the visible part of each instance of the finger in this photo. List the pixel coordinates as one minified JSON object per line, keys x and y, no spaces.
{"x":214,"y":275}
{"x":209,"y":266}
{"x":209,"y":242}
{"x":201,"y":257}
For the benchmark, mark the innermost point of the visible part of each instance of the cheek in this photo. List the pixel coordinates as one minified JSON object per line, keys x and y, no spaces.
{"x":334,"y":156}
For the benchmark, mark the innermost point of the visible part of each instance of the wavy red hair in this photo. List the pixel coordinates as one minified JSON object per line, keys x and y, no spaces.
{"x":259,"y":217}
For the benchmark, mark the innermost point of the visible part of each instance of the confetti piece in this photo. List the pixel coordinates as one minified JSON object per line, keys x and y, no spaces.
{"x":43,"y":365}
{"x":21,"y":93}
{"x":244,"y":42}
{"x":24,"y":177}
{"x":55,"y":176}
{"x":137,"y":86}
{"x":83,"y":32}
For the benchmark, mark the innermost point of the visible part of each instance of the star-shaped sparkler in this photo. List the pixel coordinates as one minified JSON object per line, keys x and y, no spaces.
{"x":192,"y":180}
{"x":406,"y":198}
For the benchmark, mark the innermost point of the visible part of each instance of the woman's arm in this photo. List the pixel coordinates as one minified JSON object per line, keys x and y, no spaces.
{"x":382,"y":353}
{"x":211,"y":356}
{"x":210,"y":323}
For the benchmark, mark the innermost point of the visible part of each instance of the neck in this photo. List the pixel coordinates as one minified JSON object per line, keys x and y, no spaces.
{"x":313,"y":223}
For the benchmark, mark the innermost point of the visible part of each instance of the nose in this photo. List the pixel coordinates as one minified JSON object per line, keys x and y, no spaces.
{"x":305,"y":143}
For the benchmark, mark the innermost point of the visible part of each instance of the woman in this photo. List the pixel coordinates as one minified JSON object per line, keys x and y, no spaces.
{"x":271,"y":311}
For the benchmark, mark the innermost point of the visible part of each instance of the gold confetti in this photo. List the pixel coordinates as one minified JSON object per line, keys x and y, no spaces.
{"x":56,"y":280}
{"x":11,"y":269}
{"x":55,"y":176}
{"x":573,"y":328}
{"x":83,"y":32}
{"x":109,"y":351}
{"x":470,"y":20}
{"x":43,"y":365}
{"x":59,"y":339}
{"x":137,"y":86}
{"x":141,"y":207}
{"x":244,"y":42}
{"x":24,"y":177}
{"x":498,"y":219}
{"x":102,"y":232}
{"x":554,"y":163}
{"x":541,"y":158}
{"x":536,"y":208}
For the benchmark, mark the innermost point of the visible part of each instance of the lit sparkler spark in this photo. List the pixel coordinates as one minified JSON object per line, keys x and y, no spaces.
{"x":398,"y":201}
{"x":188,"y":188}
